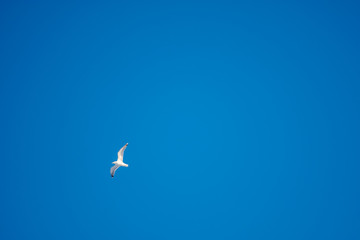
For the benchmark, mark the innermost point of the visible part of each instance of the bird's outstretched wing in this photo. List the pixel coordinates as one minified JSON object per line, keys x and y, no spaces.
{"x":121,"y":153}
{"x":113,"y":169}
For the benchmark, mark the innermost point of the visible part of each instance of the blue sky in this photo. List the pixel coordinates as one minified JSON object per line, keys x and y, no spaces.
{"x":242,"y":119}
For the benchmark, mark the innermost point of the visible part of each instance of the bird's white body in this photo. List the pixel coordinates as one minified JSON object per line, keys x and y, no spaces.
{"x":119,"y":162}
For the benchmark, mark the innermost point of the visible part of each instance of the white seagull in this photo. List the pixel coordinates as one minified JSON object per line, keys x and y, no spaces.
{"x":119,"y":162}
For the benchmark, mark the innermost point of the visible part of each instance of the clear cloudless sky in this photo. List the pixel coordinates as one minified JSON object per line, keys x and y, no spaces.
{"x":242,"y":119}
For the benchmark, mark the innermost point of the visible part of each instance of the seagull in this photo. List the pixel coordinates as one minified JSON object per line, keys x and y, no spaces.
{"x":119,"y":162}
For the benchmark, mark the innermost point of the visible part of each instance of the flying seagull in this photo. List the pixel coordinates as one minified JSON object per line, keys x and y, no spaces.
{"x":119,"y":162}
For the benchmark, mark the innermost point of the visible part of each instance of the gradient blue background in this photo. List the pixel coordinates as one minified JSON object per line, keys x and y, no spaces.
{"x":242,"y":120}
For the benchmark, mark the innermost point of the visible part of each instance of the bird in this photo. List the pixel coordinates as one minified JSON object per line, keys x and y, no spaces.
{"x":119,"y":162}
